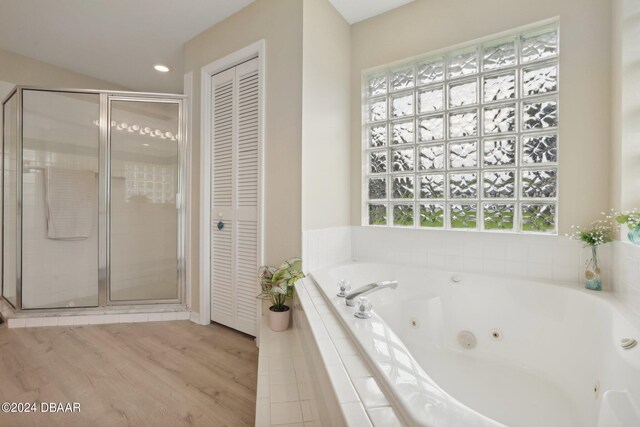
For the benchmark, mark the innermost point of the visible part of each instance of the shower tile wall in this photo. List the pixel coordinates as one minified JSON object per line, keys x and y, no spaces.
{"x":149,"y":225}
{"x":148,"y":222}
{"x":46,"y":260}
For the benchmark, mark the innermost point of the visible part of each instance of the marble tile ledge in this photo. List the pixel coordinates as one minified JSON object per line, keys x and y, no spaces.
{"x":284,"y":391}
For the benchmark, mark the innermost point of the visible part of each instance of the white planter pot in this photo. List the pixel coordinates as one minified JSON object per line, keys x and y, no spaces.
{"x":279,"y":320}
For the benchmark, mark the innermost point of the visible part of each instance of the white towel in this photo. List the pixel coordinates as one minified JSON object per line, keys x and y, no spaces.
{"x":71,"y":203}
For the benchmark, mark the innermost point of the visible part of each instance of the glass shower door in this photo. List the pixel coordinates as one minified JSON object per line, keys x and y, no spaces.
{"x":60,"y":236}
{"x":144,"y":216}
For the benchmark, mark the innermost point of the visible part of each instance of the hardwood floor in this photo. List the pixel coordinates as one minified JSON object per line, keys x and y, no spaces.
{"x":140,"y":374}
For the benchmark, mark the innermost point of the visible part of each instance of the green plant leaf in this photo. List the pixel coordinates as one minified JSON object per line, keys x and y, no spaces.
{"x":277,"y":283}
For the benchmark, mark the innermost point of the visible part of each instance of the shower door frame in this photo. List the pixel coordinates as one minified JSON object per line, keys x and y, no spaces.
{"x":104,"y":193}
{"x":180,"y":196}
{"x":18,"y":234}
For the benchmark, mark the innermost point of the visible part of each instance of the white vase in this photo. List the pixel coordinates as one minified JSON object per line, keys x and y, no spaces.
{"x":279,"y":320}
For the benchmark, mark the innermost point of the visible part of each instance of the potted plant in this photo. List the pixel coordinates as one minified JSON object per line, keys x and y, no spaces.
{"x":600,"y":232}
{"x":632,"y":220}
{"x":277,"y":286}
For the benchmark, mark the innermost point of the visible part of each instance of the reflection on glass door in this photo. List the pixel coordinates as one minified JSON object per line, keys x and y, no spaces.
{"x":143,"y":210}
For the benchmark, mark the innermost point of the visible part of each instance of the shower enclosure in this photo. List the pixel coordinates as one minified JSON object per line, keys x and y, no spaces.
{"x":92,"y":198}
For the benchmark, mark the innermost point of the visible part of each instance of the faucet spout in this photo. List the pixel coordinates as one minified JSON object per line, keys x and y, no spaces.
{"x":350,"y":299}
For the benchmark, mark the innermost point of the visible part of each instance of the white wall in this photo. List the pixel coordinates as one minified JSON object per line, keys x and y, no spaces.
{"x":21,"y":70}
{"x":625,"y":156}
{"x":308,"y":50}
{"x":600,"y":147}
{"x":279,"y":23}
{"x":625,"y":164}
{"x":5,"y":88}
{"x":325,"y":116}
{"x":427,"y":25}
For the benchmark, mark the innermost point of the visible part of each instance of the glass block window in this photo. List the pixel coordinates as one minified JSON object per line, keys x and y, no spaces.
{"x":466,"y":138}
{"x":154,"y":183}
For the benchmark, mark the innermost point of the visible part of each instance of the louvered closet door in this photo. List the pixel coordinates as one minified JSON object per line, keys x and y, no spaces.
{"x":235,"y":197}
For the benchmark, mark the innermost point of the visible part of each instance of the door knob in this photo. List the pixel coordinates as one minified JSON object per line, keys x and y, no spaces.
{"x":220,"y":225}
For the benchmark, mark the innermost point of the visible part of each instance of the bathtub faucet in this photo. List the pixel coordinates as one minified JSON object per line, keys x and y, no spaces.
{"x":350,"y":299}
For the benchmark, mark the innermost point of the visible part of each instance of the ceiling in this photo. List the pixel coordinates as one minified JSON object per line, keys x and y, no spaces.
{"x":120,"y":41}
{"x":114,"y":40}
{"x":359,"y":10}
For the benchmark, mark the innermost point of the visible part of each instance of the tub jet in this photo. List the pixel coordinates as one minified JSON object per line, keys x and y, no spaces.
{"x":467,"y":339}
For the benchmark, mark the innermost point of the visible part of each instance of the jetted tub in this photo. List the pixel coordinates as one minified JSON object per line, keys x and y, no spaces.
{"x":544,"y":355}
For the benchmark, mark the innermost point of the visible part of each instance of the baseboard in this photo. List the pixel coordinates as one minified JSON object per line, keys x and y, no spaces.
{"x":195,"y":318}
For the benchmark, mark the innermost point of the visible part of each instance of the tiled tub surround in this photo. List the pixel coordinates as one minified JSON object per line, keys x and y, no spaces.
{"x":312,"y":375}
{"x":326,"y":247}
{"x":289,"y":376}
{"x":626,"y":274}
{"x":544,"y":257}
{"x":557,"y":345}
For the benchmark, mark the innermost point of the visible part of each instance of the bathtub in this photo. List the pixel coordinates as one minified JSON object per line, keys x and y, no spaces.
{"x":544,"y":354}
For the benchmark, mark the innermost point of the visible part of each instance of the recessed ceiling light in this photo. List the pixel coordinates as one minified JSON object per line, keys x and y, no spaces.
{"x":146,"y":145}
{"x":161,"y":68}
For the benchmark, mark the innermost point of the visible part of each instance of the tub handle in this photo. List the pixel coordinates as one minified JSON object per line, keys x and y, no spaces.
{"x":364,"y":308}
{"x":343,"y":288}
